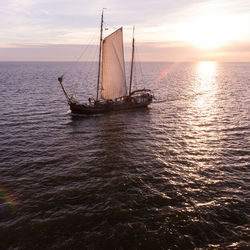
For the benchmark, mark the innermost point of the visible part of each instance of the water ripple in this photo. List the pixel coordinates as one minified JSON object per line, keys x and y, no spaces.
{"x":175,"y":175}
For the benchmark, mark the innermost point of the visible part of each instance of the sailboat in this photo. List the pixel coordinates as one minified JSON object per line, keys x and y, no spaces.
{"x":111,"y":76}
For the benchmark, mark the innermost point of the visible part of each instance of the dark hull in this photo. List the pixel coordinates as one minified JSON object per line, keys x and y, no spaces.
{"x":106,"y":107}
{"x":136,"y":99}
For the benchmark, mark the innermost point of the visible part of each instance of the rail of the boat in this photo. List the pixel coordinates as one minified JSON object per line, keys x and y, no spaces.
{"x":140,"y":92}
{"x":120,"y":100}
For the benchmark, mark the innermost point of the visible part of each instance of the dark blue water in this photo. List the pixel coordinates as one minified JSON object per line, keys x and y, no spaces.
{"x":173,"y":176}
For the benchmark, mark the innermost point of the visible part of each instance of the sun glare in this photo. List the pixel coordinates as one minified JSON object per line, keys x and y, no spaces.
{"x":206,"y":69}
{"x":206,"y":75}
{"x":206,"y":85}
{"x":210,"y":32}
{"x":213,"y":28}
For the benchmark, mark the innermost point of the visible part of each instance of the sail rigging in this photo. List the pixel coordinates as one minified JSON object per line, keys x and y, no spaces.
{"x":113,"y":67}
{"x":99,"y":61}
{"x":111,"y":76}
{"x":132,"y":61}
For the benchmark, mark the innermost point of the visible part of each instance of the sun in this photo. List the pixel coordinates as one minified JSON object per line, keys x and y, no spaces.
{"x":212,"y":29}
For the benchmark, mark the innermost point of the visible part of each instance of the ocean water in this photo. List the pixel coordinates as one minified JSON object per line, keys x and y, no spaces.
{"x":174,"y":175}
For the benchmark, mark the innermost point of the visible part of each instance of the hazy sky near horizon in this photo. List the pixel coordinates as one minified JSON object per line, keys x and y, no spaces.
{"x":166,"y":30}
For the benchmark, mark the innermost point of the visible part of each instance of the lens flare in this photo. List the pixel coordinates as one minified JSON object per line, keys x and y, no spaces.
{"x":164,"y":73}
{"x":8,"y":199}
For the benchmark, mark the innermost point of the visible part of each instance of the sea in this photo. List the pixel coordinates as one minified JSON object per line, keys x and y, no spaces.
{"x":174,"y":175}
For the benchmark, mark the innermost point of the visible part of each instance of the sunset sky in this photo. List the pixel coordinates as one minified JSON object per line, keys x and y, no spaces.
{"x":166,"y":30}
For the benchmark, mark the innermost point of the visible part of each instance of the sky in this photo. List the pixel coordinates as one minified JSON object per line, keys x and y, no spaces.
{"x":165,"y":30}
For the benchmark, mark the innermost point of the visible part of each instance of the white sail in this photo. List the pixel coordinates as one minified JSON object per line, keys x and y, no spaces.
{"x":113,"y":67}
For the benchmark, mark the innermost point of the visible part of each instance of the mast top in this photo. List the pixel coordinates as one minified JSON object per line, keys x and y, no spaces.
{"x":99,"y":61}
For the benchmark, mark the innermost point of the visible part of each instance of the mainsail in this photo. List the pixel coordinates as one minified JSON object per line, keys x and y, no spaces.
{"x":113,"y":67}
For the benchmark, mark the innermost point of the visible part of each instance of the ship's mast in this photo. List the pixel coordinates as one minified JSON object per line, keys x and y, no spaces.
{"x":100,"y":53}
{"x":132,"y":61}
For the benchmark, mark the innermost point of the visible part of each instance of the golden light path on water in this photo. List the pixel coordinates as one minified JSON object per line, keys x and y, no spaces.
{"x":205,"y":86}
{"x":206,"y":72}
{"x":197,"y":130}
{"x":200,"y":132}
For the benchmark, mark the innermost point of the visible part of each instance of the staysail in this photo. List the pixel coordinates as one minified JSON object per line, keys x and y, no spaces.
{"x":113,"y":67}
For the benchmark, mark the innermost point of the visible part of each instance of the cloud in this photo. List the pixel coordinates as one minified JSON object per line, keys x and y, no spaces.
{"x":163,"y":27}
{"x":42,"y":20}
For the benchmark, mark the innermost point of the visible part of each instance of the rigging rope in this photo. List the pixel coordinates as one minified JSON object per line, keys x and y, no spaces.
{"x":139,"y":63}
{"x":109,"y":25}
{"x":135,"y":72}
{"x":91,"y":66}
{"x":84,"y":49}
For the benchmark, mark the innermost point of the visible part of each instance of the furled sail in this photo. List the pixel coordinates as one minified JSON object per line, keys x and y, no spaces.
{"x":113,"y":67}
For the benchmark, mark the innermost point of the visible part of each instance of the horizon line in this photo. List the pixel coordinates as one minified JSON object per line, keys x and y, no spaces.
{"x":146,"y":61}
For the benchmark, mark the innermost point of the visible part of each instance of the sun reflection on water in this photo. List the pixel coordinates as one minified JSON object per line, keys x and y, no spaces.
{"x":206,"y":72}
{"x":205,"y":85}
{"x":200,"y":130}
{"x":204,"y":107}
